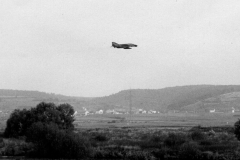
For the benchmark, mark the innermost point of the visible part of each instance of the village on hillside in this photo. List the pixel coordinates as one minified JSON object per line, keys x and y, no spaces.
{"x":86,"y":112}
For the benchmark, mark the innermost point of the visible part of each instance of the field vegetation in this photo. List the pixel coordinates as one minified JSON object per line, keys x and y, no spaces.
{"x":47,"y":131}
{"x":126,"y":143}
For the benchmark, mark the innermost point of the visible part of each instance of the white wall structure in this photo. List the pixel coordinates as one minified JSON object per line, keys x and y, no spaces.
{"x":86,"y":113}
{"x":212,"y":111}
{"x":109,"y":111}
{"x":152,"y":112}
{"x":75,"y":113}
{"x":99,"y":112}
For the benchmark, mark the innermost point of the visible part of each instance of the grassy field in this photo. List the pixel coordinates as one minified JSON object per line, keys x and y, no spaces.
{"x":8,"y":104}
{"x":156,"y":120}
{"x":177,"y":120}
{"x":150,"y":143}
{"x":171,"y":136}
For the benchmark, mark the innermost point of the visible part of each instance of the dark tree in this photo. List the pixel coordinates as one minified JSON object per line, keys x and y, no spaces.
{"x":52,"y":142}
{"x":66,"y":116}
{"x":21,"y":120}
{"x":17,"y":123}
{"x":237,"y":129}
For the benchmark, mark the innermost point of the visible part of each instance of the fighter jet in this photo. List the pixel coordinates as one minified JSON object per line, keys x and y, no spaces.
{"x":124,"y":46}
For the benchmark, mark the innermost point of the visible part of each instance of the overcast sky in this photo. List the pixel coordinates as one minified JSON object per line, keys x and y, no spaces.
{"x":63,"y":47}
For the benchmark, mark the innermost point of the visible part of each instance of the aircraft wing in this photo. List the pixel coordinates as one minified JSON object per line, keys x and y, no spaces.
{"x":131,"y":45}
{"x":128,"y":45}
{"x":124,"y":45}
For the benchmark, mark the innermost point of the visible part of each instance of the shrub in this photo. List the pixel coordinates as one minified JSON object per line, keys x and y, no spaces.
{"x":52,"y":142}
{"x":157,"y":138}
{"x":21,"y":120}
{"x":175,"y":139}
{"x":197,"y":135}
{"x":237,"y":129}
{"x":138,"y":155}
{"x":218,"y":147}
{"x":1,"y":143}
{"x":206,"y":142}
{"x":160,"y":153}
{"x":101,"y":138}
{"x":189,"y":150}
{"x":126,"y":142}
{"x":14,"y":147}
{"x":207,"y":155}
{"x":198,"y":127}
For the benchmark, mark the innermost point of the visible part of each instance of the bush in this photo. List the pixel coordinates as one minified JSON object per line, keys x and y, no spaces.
{"x":207,"y":155}
{"x":189,"y":151}
{"x":198,"y":135}
{"x":108,"y":154}
{"x":138,"y":155}
{"x":237,"y":129}
{"x":206,"y":142}
{"x":156,"y":139}
{"x":21,"y":120}
{"x":175,"y":139}
{"x":52,"y":142}
{"x":14,"y":147}
{"x":160,"y":153}
{"x":101,"y":138}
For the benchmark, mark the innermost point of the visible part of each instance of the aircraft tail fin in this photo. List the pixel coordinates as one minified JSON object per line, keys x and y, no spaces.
{"x":114,"y":44}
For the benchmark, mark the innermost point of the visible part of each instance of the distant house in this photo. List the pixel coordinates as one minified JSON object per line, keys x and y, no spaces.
{"x":115,"y":112}
{"x":152,"y":112}
{"x":120,"y":111}
{"x":110,"y":111}
{"x":212,"y":111}
{"x":91,"y":112}
{"x":99,"y":112}
{"x":86,"y":113}
{"x":144,"y":112}
{"x":141,"y":111}
{"x":75,"y":113}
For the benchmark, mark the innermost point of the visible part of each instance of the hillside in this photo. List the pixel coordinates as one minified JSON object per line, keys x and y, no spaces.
{"x":222,"y":103}
{"x":172,"y":98}
{"x":36,"y":94}
{"x":186,"y":98}
{"x":13,"y":99}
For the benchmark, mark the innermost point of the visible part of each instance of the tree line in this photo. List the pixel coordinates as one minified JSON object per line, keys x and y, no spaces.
{"x":50,"y":129}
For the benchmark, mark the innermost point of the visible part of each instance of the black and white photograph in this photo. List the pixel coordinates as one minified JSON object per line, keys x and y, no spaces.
{"x":120,"y":79}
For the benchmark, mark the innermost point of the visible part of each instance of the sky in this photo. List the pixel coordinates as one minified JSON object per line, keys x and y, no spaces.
{"x":64,"y":47}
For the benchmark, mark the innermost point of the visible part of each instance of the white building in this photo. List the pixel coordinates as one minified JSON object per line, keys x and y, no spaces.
{"x":109,"y":111}
{"x":152,"y":112}
{"x":141,"y":111}
{"x":86,"y":113}
{"x":99,"y":112}
{"x":75,"y":113}
{"x":212,"y":111}
{"x":144,"y":112}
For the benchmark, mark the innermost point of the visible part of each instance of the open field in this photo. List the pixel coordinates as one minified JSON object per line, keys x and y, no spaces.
{"x":156,"y":120}
{"x":177,"y":120}
{"x":170,"y":136}
{"x":163,"y":143}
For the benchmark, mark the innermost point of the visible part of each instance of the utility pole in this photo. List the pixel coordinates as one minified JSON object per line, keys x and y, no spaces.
{"x":130,"y":102}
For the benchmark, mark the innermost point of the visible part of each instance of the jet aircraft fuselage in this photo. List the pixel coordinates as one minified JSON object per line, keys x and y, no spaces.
{"x":124,"y":46}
